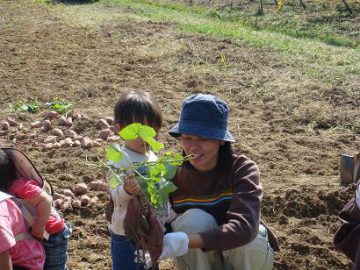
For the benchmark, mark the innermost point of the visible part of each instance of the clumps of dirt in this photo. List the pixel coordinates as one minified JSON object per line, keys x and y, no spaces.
{"x":302,"y":215}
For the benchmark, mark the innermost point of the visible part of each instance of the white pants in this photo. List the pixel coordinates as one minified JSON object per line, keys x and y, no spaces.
{"x":256,"y":255}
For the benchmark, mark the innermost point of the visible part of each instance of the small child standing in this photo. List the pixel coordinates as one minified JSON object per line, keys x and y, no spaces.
{"x":134,"y":107}
{"x":48,"y":227}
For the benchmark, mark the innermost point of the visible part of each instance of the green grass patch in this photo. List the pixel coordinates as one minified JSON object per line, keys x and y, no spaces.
{"x":307,"y":45}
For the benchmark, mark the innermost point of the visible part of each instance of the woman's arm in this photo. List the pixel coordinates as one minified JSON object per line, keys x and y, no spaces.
{"x":5,"y":260}
{"x":42,"y":204}
{"x":243,"y":215}
{"x":196,"y":241}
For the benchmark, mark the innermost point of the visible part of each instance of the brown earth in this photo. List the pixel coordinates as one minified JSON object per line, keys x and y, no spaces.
{"x":281,"y":117}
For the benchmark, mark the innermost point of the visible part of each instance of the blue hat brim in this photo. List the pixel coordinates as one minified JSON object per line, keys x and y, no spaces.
{"x":197,"y":129}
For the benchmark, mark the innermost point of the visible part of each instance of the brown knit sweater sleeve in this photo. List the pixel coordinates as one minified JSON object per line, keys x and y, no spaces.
{"x":243,"y":215}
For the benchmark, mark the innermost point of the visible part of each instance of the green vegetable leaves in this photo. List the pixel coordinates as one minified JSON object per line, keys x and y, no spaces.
{"x":154,"y":177}
{"x":146,"y":133}
{"x":31,"y":107}
{"x":59,"y":105}
{"x":113,"y":153}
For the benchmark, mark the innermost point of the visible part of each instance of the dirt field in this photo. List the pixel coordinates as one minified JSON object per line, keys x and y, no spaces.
{"x":293,"y":125}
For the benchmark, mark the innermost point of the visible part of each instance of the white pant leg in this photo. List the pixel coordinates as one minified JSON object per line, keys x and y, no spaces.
{"x":256,"y":255}
{"x":191,"y":222}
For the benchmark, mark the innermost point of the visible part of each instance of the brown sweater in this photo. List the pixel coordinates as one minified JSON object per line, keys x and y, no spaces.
{"x":347,"y":238}
{"x":232,"y":196}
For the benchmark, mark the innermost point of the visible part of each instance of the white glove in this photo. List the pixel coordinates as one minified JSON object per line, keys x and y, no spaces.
{"x":139,"y":258}
{"x":175,"y":244}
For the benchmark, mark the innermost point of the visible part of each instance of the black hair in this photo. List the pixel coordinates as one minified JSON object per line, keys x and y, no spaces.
{"x":7,"y":170}
{"x":225,"y":156}
{"x":137,"y":106}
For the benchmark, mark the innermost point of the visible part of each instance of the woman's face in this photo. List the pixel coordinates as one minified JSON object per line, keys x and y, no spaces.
{"x":204,"y":151}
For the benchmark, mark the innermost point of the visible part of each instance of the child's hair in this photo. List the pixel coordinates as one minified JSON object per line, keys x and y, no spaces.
{"x":137,"y":106}
{"x":7,"y":170}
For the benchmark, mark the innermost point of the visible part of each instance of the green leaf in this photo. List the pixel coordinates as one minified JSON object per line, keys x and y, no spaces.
{"x":152,"y":192}
{"x":166,"y":187}
{"x":59,"y":105}
{"x":146,"y":132}
{"x":170,"y":171}
{"x":114,"y":181}
{"x":157,"y":171}
{"x":155,"y":145}
{"x":130,"y":132}
{"x":178,"y":159}
{"x":32,"y":107}
{"x":113,"y":153}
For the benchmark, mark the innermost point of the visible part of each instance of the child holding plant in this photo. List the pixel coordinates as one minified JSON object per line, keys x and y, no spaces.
{"x":48,"y":227}
{"x":133,"y":109}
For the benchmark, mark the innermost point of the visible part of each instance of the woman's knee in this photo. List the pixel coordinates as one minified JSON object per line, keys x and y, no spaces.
{"x":194,"y":221}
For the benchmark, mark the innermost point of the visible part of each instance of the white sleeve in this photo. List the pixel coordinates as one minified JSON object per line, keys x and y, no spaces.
{"x":119,"y":195}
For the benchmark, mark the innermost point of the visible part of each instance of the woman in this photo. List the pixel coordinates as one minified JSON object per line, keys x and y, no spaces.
{"x":219,"y":194}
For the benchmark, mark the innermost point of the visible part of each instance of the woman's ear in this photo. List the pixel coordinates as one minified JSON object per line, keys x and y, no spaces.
{"x":222,"y":143}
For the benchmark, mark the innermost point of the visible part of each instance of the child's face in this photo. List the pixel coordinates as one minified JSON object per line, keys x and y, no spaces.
{"x":137,"y":145}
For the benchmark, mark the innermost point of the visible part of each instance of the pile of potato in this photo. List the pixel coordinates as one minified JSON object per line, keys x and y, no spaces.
{"x":68,"y":200}
{"x":57,"y":131}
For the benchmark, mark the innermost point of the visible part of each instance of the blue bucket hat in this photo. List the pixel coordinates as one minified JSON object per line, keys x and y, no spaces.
{"x":204,"y":116}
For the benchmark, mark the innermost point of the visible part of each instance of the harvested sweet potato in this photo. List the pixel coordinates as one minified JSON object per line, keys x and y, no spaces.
{"x":51,"y":115}
{"x":57,"y":132}
{"x":98,"y":185}
{"x":105,"y":133}
{"x":76,"y":204}
{"x":58,"y":202}
{"x":80,"y":189}
{"x":69,"y":193}
{"x":35,"y":124}
{"x":67,"y":205}
{"x":62,"y":121}
{"x":46,"y":124}
{"x":86,"y":142}
{"x":142,"y":226}
{"x":85,"y":199}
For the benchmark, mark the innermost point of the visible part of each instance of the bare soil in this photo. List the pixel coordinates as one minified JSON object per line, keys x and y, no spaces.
{"x":281,"y":117}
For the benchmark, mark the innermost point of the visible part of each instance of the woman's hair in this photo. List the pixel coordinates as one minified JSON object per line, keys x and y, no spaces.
{"x":225,"y":156}
{"x":138,"y":106}
{"x":7,"y":170}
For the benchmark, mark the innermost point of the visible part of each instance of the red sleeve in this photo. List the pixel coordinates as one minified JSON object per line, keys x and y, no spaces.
{"x":25,"y":189}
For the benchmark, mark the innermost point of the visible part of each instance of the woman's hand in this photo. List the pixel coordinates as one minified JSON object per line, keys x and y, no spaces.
{"x":175,"y":244}
{"x":132,"y":186}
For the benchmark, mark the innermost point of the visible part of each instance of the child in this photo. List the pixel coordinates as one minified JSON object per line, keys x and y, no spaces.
{"x":48,"y":226}
{"x":134,"y":107}
{"x":18,"y":250}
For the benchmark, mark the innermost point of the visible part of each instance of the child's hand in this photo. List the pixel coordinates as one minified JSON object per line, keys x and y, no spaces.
{"x":132,"y":186}
{"x":38,"y":231}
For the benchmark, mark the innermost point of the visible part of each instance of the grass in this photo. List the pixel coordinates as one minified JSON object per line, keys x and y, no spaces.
{"x":320,"y":46}
{"x":307,"y":44}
